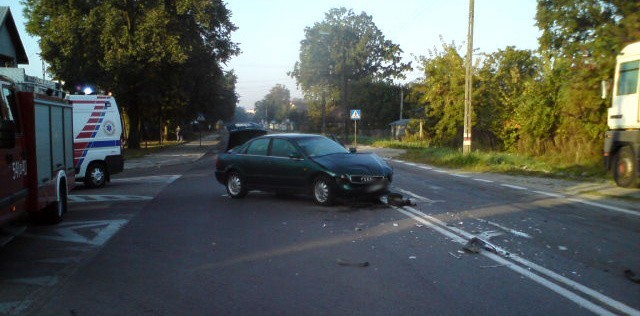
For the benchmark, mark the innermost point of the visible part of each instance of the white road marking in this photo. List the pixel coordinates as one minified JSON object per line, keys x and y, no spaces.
{"x":483,"y":180}
{"x":39,"y":281}
{"x":75,"y":198}
{"x":425,"y":167}
{"x":410,"y":164}
{"x":555,"y":195}
{"x":507,"y":229}
{"x":68,"y":232}
{"x":162,"y":178}
{"x":400,"y":161}
{"x":440,"y":171}
{"x":460,"y":236}
{"x":513,"y":186}
{"x":608,"y":207}
{"x":459,"y":175}
{"x":15,"y":307}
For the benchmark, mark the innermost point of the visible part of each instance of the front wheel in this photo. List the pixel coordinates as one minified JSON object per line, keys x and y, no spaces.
{"x":323,"y":191}
{"x":625,"y":171}
{"x":236,"y":187}
{"x":95,"y":176}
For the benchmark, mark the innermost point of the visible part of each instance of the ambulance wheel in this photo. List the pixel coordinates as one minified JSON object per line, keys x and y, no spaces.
{"x":625,"y":171}
{"x":96,"y":175}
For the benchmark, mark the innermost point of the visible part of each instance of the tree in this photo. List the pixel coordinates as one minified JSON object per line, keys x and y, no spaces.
{"x":502,"y":79}
{"x":274,"y":105}
{"x":581,"y":40}
{"x":344,"y":48}
{"x":441,"y":93}
{"x":140,"y":50}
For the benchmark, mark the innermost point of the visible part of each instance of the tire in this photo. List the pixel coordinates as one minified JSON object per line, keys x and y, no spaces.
{"x":625,"y":169}
{"x":236,"y":186}
{"x":96,"y":175}
{"x":54,"y":213}
{"x":323,"y":191}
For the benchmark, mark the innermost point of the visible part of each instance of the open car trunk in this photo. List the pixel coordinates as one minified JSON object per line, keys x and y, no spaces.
{"x":239,"y":133}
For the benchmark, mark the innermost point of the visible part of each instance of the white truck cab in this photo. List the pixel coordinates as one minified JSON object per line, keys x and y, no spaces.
{"x":622,"y":141}
{"x":98,"y":136}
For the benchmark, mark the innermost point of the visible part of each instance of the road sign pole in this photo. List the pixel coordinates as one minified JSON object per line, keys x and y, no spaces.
{"x":355,"y":133}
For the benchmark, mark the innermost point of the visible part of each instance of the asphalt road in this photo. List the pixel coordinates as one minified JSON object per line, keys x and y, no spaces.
{"x":178,"y":245}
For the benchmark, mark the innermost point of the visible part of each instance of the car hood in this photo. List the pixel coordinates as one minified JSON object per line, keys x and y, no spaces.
{"x":354,"y":164}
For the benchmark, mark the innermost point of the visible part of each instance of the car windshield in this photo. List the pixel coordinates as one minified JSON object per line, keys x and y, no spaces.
{"x":320,"y":146}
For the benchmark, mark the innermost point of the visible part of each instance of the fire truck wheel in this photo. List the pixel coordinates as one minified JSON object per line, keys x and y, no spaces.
{"x":96,"y":175}
{"x":54,"y":213}
{"x":625,"y":171}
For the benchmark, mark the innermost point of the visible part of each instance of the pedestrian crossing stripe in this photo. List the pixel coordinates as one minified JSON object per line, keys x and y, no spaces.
{"x":356,"y":114}
{"x":106,"y":198}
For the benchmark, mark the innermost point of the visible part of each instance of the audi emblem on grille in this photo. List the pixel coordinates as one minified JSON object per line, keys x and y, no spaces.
{"x":365,"y":179}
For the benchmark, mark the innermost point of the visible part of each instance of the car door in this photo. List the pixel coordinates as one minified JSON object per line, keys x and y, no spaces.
{"x":255,"y":162}
{"x":288,"y":168}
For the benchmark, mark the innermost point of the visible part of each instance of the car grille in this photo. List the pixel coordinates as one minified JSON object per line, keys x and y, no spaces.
{"x":365,"y":179}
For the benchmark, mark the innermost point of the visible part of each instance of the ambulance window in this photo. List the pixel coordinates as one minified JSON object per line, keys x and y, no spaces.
{"x":9,"y":103}
{"x":628,"y":78}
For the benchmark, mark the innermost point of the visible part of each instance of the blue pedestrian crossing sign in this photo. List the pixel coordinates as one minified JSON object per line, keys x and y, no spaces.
{"x":356,"y":115}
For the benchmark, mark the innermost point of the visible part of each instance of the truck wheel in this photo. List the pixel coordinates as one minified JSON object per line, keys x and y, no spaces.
{"x":625,"y":171}
{"x":95,"y":176}
{"x":54,"y":213}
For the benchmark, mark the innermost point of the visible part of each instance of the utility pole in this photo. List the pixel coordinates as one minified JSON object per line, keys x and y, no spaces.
{"x":468,"y":107}
{"x":401,"y":101}
{"x":324,"y":113}
{"x":345,"y":111}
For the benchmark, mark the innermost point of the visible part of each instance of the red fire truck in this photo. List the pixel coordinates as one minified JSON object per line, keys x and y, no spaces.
{"x":36,"y":152}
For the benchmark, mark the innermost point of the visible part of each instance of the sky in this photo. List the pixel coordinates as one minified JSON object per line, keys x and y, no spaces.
{"x":269,"y":33}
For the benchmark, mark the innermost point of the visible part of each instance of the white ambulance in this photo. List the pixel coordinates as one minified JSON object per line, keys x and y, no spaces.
{"x":98,"y":136}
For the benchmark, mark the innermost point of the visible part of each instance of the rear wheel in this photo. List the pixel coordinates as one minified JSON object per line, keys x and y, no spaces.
{"x":54,"y":213}
{"x":236,"y":187}
{"x":323,"y":191}
{"x":625,"y":171}
{"x":96,"y":175}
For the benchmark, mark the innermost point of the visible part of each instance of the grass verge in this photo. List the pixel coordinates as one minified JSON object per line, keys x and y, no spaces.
{"x":148,"y":148}
{"x":508,"y":163}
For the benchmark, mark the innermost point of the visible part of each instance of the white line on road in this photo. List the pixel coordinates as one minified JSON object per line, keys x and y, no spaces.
{"x":460,"y":236}
{"x":555,"y":195}
{"x":459,"y":175}
{"x":483,"y":180}
{"x":608,"y":207}
{"x":425,"y":167}
{"x":440,"y":171}
{"x":513,"y":186}
{"x":507,"y":229}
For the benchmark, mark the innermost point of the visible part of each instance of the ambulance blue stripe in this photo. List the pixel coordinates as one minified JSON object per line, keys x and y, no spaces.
{"x":104,"y":143}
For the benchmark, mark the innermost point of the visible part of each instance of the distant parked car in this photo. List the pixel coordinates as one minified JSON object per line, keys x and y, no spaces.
{"x":302,"y":163}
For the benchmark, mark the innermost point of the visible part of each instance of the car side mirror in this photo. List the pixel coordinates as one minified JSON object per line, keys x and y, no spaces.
{"x":353,"y":150}
{"x":7,"y":134}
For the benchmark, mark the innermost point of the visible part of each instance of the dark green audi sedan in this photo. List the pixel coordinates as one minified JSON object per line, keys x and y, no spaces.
{"x":302,"y":163}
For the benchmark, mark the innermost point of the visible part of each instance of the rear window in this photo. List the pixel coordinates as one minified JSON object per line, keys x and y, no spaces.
{"x":258,"y":147}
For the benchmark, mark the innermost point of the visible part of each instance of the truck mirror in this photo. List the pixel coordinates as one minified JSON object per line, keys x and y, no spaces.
{"x":7,"y":134}
{"x":604,"y":84}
